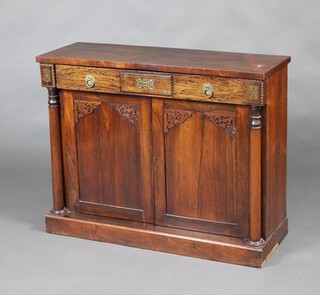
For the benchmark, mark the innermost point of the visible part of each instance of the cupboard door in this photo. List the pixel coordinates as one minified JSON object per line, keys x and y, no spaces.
{"x":107,"y":155}
{"x":201,"y":155}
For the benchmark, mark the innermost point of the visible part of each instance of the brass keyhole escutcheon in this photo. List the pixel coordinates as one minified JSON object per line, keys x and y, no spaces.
{"x":90,"y":81}
{"x":208,"y":90}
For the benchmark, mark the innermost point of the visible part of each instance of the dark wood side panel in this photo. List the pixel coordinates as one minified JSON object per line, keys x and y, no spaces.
{"x":274,"y":143}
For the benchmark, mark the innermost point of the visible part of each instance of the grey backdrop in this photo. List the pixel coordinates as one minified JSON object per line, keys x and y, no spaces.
{"x":33,"y":262}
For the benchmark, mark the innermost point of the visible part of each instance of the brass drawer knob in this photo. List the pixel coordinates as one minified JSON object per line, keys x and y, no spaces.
{"x":208,"y":90}
{"x":90,"y":81}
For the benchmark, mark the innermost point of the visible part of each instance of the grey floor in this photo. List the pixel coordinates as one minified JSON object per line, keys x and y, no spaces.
{"x":34,"y":262}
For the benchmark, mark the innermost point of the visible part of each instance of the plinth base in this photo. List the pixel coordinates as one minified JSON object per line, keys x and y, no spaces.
{"x":165,"y":239}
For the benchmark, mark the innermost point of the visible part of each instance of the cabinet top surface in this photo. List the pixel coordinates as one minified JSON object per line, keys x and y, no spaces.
{"x":203,"y":62}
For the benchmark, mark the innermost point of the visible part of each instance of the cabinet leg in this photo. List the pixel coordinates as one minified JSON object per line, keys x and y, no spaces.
{"x":56,"y":158}
{"x":255,"y":238}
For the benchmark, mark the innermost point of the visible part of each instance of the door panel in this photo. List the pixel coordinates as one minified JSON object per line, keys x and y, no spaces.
{"x":113,"y":141}
{"x":199,"y":152}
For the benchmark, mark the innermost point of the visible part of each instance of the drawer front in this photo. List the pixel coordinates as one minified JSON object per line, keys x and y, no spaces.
{"x":146,"y":83}
{"x":214,"y":89}
{"x":176,"y":86}
{"x":87,"y":79}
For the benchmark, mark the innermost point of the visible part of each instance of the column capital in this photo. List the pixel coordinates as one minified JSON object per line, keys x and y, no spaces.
{"x":255,"y":117}
{"x":53,"y":98}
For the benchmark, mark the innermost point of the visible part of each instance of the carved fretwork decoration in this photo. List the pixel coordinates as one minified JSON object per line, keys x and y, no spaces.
{"x":84,"y":108}
{"x":175,"y":117}
{"x":224,"y":120}
{"x":129,"y":112}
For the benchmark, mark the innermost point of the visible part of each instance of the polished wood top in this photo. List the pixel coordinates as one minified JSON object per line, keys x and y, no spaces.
{"x":226,"y":64}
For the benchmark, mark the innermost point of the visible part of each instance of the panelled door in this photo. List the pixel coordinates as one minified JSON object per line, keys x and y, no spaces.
{"x":107,"y":154}
{"x":200,"y":155}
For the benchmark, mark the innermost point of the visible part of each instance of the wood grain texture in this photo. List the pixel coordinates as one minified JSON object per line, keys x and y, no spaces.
{"x":111,"y":149}
{"x":74,"y":78}
{"x":146,"y":83}
{"x":274,"y":152}
{"x":69,"y":150}
{"x":255,"y":186}
{"x":56,"y":154}
{"x":113,"y":165}
{"x":196,"y":169}
{"x":227,"y":64}
{"x":234,"y":91}
{"x":109,"y":158}
{"x":142,"y":157}
{"x":184,"y":87}
{"x":158,"y":238}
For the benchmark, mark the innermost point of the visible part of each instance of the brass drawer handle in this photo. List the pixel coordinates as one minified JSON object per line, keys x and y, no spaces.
{"x":90,"y":81}
{"x":208,"y":90}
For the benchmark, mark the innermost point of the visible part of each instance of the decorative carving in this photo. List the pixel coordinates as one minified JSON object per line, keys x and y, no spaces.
{"x":224,"y":121}
{"x":47,"y":75}
{"x":254,"y":92}
{"x":143,"y":83}
{"x":255,"y":117}
{"x":262,"y":92}
{"x":174,"y":117}
{"x":129,"y":112}
{"x":146,"y":82}
{"x":84,"y":108}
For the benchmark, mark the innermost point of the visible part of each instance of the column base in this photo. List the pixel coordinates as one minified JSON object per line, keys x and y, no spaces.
{"x":255,"y":243}
{"x":62,"y":212}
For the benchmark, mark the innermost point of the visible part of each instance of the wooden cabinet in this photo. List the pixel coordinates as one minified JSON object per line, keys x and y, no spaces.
{"x":181,"y":151}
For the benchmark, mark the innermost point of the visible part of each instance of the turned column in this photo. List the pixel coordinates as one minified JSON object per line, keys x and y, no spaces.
{"x":255,"y":178}
{"x":56,"y":157}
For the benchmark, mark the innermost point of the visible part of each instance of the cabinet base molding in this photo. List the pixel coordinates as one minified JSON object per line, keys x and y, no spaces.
{"x":165,"y":239}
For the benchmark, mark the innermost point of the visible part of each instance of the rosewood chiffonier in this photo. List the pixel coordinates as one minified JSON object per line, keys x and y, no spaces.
{"x":174,"y":150}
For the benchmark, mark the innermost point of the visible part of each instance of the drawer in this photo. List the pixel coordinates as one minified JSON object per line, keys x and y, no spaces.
{"x":146,"y":83}
{"x":216,"y":89}
{"x":177,"y":86}
{"x":87,"y":78}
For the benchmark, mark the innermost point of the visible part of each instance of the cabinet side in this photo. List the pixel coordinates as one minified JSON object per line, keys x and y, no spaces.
{"x":274,"y":152}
